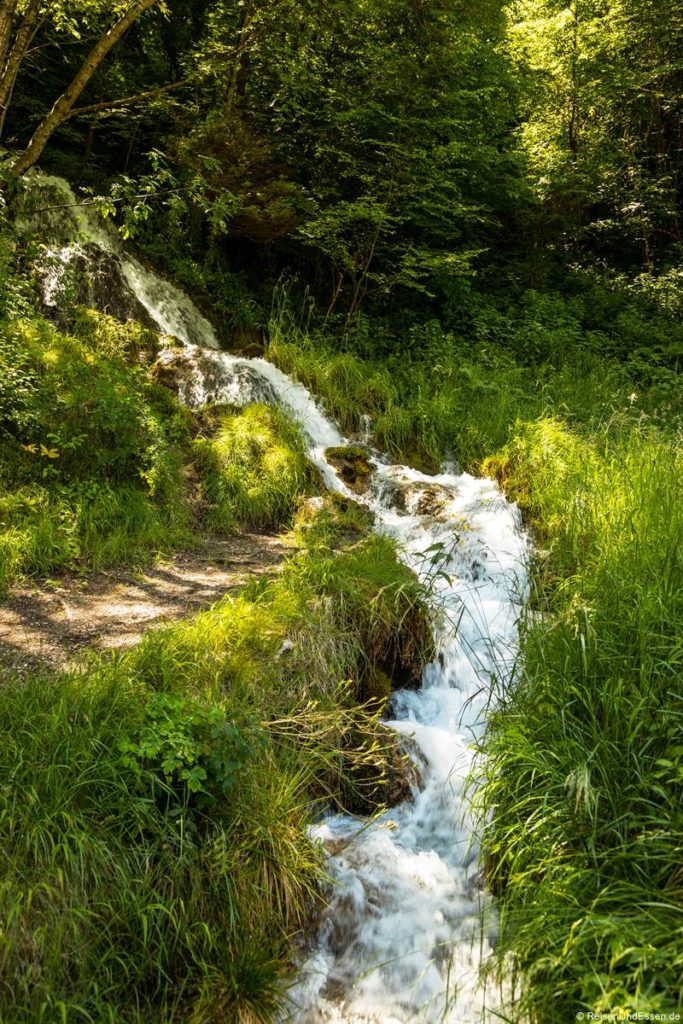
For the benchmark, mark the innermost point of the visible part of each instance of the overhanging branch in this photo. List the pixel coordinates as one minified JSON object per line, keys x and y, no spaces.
{"x":126,"y":101}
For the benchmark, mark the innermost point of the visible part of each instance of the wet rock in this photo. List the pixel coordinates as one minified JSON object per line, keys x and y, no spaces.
{"x":87,"y":275}
{"x":253,"y":351}
{"x":419,"y":498}
{"x":432,"y":500}
{"x":168,"y":371}
{"x":203,"y":376}
{"x":394,"y":494}
{"x":353,"y":465}
{"x":248,"y":343}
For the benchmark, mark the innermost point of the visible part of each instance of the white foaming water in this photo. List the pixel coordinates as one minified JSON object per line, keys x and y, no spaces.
{"x":408,"y":923}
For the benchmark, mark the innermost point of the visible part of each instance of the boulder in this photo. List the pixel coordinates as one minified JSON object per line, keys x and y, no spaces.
{"x":248,"y":343}
{"x":86,"y":275}
{"x":204,"y":376}
{"x":431,"y":500}
{"x":253,"y":351}
{"x":169,"y":370}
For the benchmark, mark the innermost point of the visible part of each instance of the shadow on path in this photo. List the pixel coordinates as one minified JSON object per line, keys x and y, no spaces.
{"x":51,"y":623}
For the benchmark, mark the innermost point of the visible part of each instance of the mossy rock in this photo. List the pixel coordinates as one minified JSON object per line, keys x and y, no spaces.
{"x":253,"y":351}
{"x":353,"y":465}
{"x":170,"y":369}
{"x":171,"y":341}
{"x":431,"y":500}
{"x":331,"y":521}
{"x":248,"y":343}
{"x":403,"y":655}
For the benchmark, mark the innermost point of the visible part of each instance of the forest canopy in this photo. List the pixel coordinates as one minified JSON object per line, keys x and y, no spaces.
{"x":390,"y":150}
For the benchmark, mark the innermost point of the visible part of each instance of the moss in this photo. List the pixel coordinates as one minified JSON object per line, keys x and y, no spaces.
{"x":353,"y":465}
{"x":330,"y":522}
{"x":377,"y":686}
{"x":423,"y":461}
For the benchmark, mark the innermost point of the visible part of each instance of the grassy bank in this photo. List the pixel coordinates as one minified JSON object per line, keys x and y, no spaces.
{"x":584,"y":780}
{"x":100,"y":465}
{"x":92,"y":450}
{"x":153,"y":809}
{"x":154,"y":806}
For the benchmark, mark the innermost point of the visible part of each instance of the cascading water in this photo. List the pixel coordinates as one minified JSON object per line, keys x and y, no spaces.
{"x":408,"y":923}
{"x":76,"y":235}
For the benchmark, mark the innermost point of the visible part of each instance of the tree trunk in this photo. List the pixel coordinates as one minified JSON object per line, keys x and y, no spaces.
{"x":62,"y":108}
{"x":7,"y":10}
{"x":574,"y":100}
{"x":242,"y":40}
{"x":22,"y":41}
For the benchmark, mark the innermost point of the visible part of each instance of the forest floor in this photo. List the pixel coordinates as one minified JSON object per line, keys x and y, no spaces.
{"x":51,"y":622}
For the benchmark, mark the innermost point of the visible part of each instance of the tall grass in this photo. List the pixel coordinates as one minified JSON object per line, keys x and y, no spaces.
{"x":442,"y":395}
{"x":254,"y":469}
{"x":154,"y":854}
{"x":584,"y":774}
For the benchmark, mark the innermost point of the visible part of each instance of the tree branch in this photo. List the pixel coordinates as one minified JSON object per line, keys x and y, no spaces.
{"x":126,"y":101}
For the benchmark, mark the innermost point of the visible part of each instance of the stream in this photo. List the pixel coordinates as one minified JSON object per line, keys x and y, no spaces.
{"x":408,"y":923}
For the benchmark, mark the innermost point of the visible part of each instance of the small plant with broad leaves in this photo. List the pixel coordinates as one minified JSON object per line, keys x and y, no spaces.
{"x":194,"y":748}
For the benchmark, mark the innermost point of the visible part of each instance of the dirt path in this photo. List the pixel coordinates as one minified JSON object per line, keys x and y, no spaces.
{"x":52,"y":623}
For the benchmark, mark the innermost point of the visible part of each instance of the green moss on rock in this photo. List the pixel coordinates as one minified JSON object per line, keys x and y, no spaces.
{"x":353,"y":465}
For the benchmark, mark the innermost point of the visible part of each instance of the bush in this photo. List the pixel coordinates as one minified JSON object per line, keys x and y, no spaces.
{"x":90,"y":469}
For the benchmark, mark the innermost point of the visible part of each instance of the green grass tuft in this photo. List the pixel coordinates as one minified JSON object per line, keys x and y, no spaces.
{"x":254,"y":470}
{"x":584,"y":770}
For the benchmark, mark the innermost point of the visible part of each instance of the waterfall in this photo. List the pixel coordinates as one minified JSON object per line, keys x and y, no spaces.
{"x":78,"y":237}
{"x":408,"y":923}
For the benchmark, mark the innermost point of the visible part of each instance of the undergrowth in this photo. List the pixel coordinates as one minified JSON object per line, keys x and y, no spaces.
{"x":431,"y":393}
{"x":584,"y":769}
{"x":91,"y":456}
{"x":97,"y":459}
{"x":254,"y":469}
{"x":154,"y":806}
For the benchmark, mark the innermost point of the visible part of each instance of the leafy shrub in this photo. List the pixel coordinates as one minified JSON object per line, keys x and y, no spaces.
{"x":192,"y":746}
{"x":90,"y":467}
